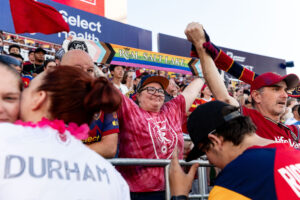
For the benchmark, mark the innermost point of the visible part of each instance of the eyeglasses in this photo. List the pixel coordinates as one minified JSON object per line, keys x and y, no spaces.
{"x":153,"y":90}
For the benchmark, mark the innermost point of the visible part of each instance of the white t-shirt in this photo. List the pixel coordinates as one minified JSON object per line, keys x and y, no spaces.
{"x":41,"y":164}
{"x":123,"y":88}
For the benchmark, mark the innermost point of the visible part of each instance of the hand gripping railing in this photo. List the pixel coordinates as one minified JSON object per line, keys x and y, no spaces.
{"x":203,"y":188}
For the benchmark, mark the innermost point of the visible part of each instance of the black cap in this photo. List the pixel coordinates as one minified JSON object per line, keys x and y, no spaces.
{"x":40,"y":50}
{"x":205,"y":120}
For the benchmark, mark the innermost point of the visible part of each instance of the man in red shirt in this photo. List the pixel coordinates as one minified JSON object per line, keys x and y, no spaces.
{"x":268,"y":92}
{"x":252,"y":167}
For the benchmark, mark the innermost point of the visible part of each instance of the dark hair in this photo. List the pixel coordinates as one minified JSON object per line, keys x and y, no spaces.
{"x":234,"y":130}
{"x":112,"y":67}
{"x":125,"y":76}
{"x":295,"y":107}
{"x":16,"y":56}
{"x":14,"y":72}
{"x":14,"y":46}
{"x":75,"y":96}
{"x":46,"y":62}
{"x":30,"y":51}
{"x":237,"y":89}
{"x":246,"y":91}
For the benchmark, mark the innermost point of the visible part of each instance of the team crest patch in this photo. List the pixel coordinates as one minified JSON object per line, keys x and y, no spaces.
{"x":63,"y":138}
{"x":164,"y":138}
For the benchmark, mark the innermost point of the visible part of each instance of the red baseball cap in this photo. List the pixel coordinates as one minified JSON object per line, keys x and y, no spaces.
{"x":270,"y":78}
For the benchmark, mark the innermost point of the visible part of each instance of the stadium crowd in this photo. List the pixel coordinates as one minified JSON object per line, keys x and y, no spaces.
{"x":141,"y":113}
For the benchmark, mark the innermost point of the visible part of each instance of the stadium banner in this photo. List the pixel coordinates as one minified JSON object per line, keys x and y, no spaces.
{"x":84,"y":25}
{"x":108,"y":53}
{"x":93,"y":6}
{"x":254,"y":62}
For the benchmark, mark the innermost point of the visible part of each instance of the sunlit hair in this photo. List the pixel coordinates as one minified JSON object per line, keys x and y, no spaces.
{"x":76,"y":96}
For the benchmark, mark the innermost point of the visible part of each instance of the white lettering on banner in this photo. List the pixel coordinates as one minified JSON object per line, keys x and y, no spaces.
{"x":291,"y":174}
{"x":239,"y":59}
{"x":281,"y":139}
{"x":236,"y":58}
{"x":77,"y":21}
{"x":17,"y":166}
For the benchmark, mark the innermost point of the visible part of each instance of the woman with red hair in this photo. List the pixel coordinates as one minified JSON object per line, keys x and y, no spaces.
{"x":43,"y":156}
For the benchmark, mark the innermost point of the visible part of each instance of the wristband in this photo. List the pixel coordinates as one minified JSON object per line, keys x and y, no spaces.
{"x":180,"y":197}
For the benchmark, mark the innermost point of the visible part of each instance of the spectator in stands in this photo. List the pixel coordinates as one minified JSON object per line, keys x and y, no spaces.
{"x":30,"y":58}
{"x":117,"y":72}
{"x":171,"y":91}
{"x":288,"y":114}
{"x":239,"y":92}
{"x":14,"y":48}
{"x":205,"y":96}
{"x":38,"y":65}
{"x":20,"y":58}
{"x":152,"y":129}
{"x":64,"y":95}
{"x":1,"y":46}
{"x":103,"y":136}
{"x":251,"y":165}
{"x":162,"y":73}
{"x":295,"y":116}
{"x":268,"y":92}
{"x":49,"y":64}
{"x":11,"y":87}
{"x":128,"y":78}
{"x":138,"y":75}
{"x":15,"y":61}
{"x":105,"y":70}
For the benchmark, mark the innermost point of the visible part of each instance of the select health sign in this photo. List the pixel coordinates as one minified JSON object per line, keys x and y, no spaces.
{"x":85,"y":25}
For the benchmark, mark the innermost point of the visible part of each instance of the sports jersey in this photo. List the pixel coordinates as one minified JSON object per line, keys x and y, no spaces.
{"x":104,"y":124}
{"x":154,"y":135}
{"x":271,"y":130}
{"x":268,"y":172}
{"x":123,"y":88}
{"x":199,"y":101}
{"x":26,"y":78}
{"x":41,"y":163}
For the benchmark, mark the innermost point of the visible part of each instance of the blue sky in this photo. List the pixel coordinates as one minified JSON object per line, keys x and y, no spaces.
{"x":265,"y":27}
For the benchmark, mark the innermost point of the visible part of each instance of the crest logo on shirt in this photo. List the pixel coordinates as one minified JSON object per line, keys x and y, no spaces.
{"x":163,"y":138}
{"x":63,"y":138}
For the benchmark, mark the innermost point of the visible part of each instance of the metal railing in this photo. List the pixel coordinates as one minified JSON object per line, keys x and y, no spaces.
{"x":202,"y":183}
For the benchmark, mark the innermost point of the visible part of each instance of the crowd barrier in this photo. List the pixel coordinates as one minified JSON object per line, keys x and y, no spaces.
{"x":202,"y":183}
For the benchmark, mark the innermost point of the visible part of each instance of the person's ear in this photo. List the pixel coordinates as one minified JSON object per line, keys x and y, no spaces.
{"x":138,"y":96}
{"x":39,"y":99}
{"x":217,"y":142}
{"x":256,"y":96}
